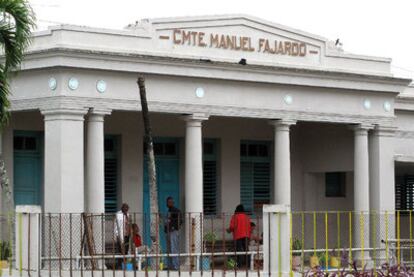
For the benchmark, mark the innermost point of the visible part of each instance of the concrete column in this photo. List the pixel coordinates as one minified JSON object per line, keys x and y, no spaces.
{"x":282,"y":173}
{"x":194,"y":179}
{"x":361,"y":190}
{"x":276,"y":240}
{"x":95,"y":162}
{"x":27,"y":246}
{"x":194,"y":163}
{"x":382,"y":185}
{"x":64,"y":160}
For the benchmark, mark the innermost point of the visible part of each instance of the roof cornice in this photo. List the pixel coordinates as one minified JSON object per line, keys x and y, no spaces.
{"x":179,"y":66}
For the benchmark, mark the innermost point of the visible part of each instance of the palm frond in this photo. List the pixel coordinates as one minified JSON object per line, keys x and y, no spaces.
{"x":16,"y":23}
{"x":17,"y":16}
{"x":4,"y":97}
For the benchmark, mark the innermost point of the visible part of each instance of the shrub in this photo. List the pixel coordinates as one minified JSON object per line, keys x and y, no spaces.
{"x":5,"y":250}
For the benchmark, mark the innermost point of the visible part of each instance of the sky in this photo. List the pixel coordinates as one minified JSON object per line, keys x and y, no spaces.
{"x":382,"y":28}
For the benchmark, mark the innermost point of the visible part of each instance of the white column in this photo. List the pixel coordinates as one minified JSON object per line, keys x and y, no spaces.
{"x":194,"y":163}
{"x":361,"y":168}
{"x":361,"y":190}
{"x":282,"y":173}
{"x":64,"y":160}
{"x":194,"y":180}
{"x":95,"y":162}
{"x":382,"y":185}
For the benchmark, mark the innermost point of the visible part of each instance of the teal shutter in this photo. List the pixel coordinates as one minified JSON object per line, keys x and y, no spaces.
{"x":210,"y":191}
{"x":261,"y":183}
{"x":247,"y":185}
{"x":255,"y":175}
{"x":111,"y":175}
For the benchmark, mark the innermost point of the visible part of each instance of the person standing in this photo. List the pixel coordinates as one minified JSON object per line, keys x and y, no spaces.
{"x":122,"y":231}
{"x":172,"y":228}
{"x":241,"y":229}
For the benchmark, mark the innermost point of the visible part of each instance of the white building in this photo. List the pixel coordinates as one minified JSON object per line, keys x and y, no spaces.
{"x":284,"y":116}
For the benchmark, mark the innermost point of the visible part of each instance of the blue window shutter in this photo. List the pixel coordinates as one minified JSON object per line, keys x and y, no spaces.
{"x":255,"y":175}
{"x":111,"y":175}
{"x":210,"y":177}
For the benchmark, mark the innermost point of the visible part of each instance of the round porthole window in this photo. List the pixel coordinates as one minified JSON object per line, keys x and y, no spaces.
{"x":199,"y":92}
{"x":52,"y":83}
{"x":367,"y":104}
{"x":101,"y":86}
{"x":387,"y":106}
{"x":288,"y":99}
{"x":73,"y":83}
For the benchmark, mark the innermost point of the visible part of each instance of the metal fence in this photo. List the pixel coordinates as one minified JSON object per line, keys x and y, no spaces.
{"x":335,"y":239}
{"x":89,"y":242}
{"x":328,"y":240}
{"x":7,"y":244}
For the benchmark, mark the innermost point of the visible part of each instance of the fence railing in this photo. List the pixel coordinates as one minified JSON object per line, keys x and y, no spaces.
{"x":327,"y":240}
{"x":333,"y":240}
{"x":90,"y":242}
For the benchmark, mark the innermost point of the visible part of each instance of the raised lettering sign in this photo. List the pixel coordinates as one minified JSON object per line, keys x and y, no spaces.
{"x":238,"y":43}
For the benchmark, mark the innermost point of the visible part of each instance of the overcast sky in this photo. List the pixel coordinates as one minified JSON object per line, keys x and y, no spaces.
{"x":371,"y":27}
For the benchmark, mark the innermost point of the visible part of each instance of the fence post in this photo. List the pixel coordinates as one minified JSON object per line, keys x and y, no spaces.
{"x":276,"y":240}
{"x":27,"y":255}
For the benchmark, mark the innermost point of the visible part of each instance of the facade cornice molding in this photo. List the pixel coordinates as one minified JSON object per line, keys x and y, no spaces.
{"x":150,"y":63}
{"x":404,"y":134}
{"x":385,"y":131}
{"x":404,"y":103}
{"x":72,"y":114}
{"x":86,"y":103}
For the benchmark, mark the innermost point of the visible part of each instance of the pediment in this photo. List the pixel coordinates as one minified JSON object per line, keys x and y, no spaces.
{"x":236,"y":37}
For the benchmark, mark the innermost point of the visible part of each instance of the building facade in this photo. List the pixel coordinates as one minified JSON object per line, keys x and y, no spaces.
{"x":243,"y":111}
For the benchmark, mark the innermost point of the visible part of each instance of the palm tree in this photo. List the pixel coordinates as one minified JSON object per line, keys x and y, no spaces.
{"x":16,"y":22}
{"x":152,"y":174}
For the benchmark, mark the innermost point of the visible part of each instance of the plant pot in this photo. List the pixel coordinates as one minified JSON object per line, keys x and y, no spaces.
{"x":335,"y":262}
{"x":296,"y":262}
{"x":314,"y":261}
{"x":4,"y":264}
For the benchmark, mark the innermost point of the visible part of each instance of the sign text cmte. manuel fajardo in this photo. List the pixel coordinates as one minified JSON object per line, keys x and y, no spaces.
{"x":238,"y":43}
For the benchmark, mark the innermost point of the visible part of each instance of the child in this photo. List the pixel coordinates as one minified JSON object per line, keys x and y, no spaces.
{"x":136,"y":238}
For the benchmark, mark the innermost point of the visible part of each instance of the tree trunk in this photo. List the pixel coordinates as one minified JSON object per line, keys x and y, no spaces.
{"x":151,"y":164}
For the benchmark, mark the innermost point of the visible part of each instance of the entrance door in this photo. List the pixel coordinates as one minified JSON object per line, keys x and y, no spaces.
{"x":27,"y":168}
{"x":168,"y":181}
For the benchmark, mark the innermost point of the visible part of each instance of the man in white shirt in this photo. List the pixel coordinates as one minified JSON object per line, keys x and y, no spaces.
{"x":122,"y":231}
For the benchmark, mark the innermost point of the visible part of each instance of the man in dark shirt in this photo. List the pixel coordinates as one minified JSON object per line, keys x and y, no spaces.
{"x":172,"y":227}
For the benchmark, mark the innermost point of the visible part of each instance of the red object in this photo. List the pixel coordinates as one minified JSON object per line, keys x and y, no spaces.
{"x":240,"y":226}
{"x":137,"y":240}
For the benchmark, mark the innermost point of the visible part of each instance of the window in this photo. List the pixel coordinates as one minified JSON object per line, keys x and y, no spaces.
{"x":210,"y":177}
{"x":25,"y":143}
{"x":404,"y":192}
{"x":163,"y":149}
{"x":255,"y":177}
{"x":111,"y":174}
{"x":335,"y":184}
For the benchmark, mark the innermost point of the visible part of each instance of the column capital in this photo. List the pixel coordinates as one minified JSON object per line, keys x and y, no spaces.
{"x":97,"y":115}
{"x":71,"y":114}
{"x":385,"y":131}
{"x":361,"y":129}
{"x":282,"y":124}
{"x":195,"y":119}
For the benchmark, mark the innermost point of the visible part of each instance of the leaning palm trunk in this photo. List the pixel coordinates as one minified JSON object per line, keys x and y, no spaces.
{"x":152,"y":174}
